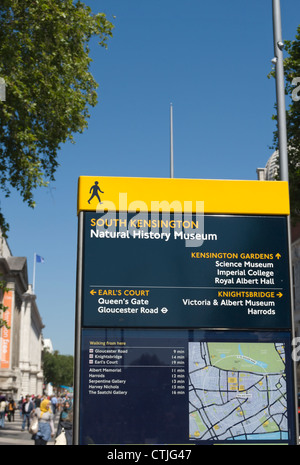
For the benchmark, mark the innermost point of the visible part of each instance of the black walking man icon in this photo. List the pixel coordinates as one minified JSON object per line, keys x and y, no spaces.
{"x":94,"y":190}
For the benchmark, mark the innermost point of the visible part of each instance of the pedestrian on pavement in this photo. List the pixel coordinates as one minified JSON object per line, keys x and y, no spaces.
{"x":54,"y":404}
{"x":27,"y":408}
{"x":66,"y":421}
{"x":59,"y":404}
{"x":37,"y":401}
{"x":11,"y":410}
{"x":20,"y":405}
{"x":46,"y":425}
{"x":2,"y":411}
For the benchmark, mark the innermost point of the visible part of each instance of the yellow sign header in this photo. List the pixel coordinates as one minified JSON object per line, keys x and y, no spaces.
{"x":178,"y":195}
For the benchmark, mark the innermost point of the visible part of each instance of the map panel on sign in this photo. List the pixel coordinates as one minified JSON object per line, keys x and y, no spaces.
{"x":205,"y":387}
{"x":237,"y":391}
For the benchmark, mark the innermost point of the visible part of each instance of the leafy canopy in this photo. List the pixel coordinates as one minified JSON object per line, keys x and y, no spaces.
{"x":58,"y":369}
{"x":44,"y":60}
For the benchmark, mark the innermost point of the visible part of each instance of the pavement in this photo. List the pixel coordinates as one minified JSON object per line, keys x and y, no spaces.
{"x":11,"y":434}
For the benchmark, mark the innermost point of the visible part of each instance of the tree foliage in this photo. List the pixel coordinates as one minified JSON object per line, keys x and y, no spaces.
{"x":58,"y":369}
{"x":292,"y":79}
{"x":44,"y":60}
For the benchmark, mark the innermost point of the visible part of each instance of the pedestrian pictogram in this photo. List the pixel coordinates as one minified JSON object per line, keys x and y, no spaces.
{"x":94,"y":191}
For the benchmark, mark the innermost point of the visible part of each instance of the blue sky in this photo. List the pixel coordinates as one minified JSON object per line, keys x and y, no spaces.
{"x":211,"y":60}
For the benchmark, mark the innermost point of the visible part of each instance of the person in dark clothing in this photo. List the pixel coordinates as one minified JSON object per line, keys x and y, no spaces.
{"x":27,"y":408}
{"x":66,"y":421}
{"x":38,"y":401}
{"x":11,"y":410}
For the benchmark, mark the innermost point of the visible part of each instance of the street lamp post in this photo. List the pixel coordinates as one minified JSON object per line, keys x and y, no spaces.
{"x":283,"y":153}
{"x":280,"y":91}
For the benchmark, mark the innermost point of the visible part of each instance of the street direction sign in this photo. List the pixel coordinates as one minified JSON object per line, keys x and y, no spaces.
{"x":238,"y":278}
{"x":184,"y":304}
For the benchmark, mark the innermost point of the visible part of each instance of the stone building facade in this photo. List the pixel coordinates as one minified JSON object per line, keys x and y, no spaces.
{"x":21,"y":345}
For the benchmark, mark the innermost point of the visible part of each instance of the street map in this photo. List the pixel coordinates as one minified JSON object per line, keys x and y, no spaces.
{"x":237,"y":391}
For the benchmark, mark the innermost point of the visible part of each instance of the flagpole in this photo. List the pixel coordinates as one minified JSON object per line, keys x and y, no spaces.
{"x":33,"y":278}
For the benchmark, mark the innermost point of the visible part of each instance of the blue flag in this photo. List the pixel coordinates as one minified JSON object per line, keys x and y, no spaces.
{"x":39,"y":259}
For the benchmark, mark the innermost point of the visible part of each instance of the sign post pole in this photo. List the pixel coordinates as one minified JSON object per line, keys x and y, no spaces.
{"x":78,"y":326}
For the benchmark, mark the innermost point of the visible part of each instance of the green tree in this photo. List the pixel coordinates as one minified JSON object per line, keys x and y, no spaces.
{"x":292,"y":89}
{"x":45,"y":62}
{"x":58,"y":369}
